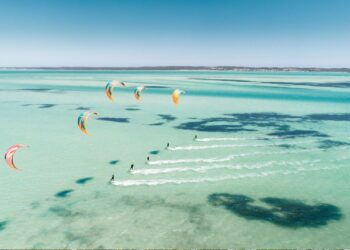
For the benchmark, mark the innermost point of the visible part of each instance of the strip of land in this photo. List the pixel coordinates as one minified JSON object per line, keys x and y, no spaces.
{"x":216,"y":68}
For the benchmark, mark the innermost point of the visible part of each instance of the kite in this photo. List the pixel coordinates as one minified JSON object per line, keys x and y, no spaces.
{"x":10,"y":154}
{"x":82,"y":119}
{"x":110,"y":86}
{"x":137,"y":92}
{"x":176,"y":95}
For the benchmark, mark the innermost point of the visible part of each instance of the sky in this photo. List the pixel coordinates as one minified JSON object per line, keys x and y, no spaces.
{"x":129,"y":33}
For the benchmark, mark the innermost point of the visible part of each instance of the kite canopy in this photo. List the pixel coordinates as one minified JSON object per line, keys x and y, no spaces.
{"x":82,"y":119}
{"x":10,"y":154}
{"x":110,"y":86}
{"x":137,"y":92}
{"x":176,"y":95}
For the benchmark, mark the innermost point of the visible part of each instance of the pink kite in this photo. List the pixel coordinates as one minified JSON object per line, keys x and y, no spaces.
{"x":10,"y":154}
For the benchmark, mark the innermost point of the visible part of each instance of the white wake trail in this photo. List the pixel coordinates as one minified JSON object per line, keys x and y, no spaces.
{"x":201,"y":147}
{"x":227,"y":139}
{"x":156,"y":182}
{"x":228,"y":158}
{"x":209,"y":139}
{"x":203,"y":169}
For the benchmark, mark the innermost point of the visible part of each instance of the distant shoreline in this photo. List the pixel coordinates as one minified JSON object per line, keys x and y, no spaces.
{"x":194,"y":68}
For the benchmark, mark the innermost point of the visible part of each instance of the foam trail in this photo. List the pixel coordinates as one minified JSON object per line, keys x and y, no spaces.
{"x":209,"y":139}
{"x":203,"y":169}
{"x":227,"y":139}
{"x":206,"y":147}
{"x":227,"y":158}
{"x":156,"y":182}
{"x":195,"y":160}
{"x":193,"y":147}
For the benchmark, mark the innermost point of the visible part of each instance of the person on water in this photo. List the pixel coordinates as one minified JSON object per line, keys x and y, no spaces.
{"x":147,"y":158}
{"x":112,"y":179}
{"x":195,"y":137}
{"x":132,"y":167}
{"x":168,"y":145}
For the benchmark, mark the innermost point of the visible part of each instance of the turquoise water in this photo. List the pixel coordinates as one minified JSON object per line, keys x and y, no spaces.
{"x":270,"y":167}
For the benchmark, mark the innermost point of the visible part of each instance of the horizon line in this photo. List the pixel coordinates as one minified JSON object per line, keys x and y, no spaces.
{"x":184,"y":67}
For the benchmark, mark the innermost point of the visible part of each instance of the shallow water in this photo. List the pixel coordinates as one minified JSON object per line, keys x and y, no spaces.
{"x":270,"y":166}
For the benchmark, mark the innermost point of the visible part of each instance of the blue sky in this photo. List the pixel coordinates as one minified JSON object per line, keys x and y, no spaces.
{"x":164,"y":32}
